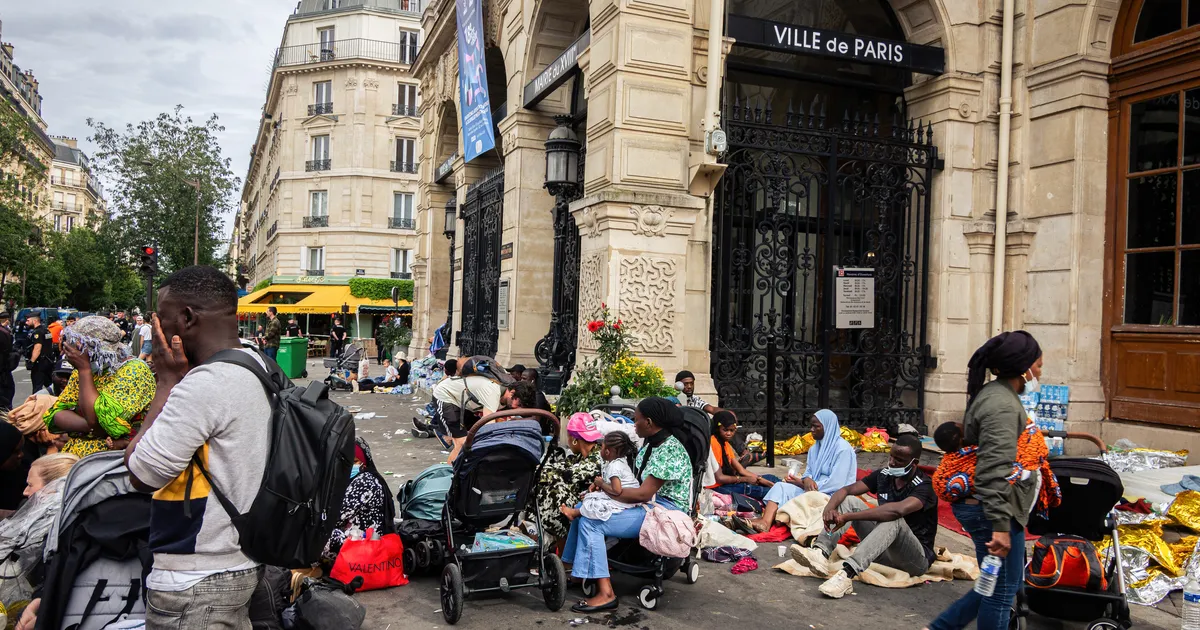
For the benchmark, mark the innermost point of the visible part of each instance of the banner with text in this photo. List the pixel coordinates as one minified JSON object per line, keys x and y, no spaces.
{"x":795,"y":38}
{"x":476,"y":107}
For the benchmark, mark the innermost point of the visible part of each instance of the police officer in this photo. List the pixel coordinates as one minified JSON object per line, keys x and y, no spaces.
{"x":41,"y":353}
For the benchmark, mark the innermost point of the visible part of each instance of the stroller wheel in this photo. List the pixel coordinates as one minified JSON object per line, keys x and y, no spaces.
{"x":691,"y":571}
{"x":554,"y":583}
{"x":452,"y":593}
{"x":437,"y":553}
{"x":1104,"y":624}
{"x":304,"y":374}
{"x":589,"y":588}
{"x":1015,"y":622}
{"x":410,"y":560}
{"x":648,"y":598}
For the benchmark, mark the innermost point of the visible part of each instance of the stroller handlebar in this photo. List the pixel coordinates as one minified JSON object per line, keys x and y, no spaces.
{"x":541,"y":414}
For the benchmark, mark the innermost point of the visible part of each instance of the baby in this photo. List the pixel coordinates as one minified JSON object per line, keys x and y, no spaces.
{"x":618,"y":453}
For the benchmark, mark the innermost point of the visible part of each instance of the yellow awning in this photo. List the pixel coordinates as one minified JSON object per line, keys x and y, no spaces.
{"x":309,"y":299}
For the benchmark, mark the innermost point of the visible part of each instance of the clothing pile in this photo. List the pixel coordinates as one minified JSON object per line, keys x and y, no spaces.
{"x":1154,"y":566}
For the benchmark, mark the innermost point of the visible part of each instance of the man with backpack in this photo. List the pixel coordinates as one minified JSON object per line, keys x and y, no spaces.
{"x":206,"y":413}
{"x":464,"y":399}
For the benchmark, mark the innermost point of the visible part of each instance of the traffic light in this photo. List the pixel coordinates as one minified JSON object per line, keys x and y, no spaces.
{"x":149,"y":260}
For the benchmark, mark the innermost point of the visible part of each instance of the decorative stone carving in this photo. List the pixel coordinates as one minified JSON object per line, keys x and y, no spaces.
{"x":591,"y":294}
{"x":293,"y":89}
{"x":508,"y":143}
{"x":589,"y":226}
{"x":651,"y":220}
{"x":648,"y":302}
{"x":964,"y":109}
{"x":371,"y":83}
{"x":351,"y":82}
{"x":491,"y":26}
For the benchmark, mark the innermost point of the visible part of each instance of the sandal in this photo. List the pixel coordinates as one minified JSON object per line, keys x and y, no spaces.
{"x":582,"y":607}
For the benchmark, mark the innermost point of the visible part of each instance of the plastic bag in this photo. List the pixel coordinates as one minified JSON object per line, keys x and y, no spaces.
{"x":379,"y":562}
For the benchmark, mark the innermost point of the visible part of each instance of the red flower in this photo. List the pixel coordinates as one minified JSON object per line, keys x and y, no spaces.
{"x":595,"y":326}
{"x":617,"y":326}
{"x":603,"y":305}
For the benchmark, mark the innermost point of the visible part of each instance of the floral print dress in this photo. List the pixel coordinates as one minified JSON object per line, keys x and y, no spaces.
{"x":565,"y":477}
{"x":122,"y":399}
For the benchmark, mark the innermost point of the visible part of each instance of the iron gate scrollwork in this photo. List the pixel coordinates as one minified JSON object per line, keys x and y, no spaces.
{"x":555,"y":351}
{"x":801,"y":196}
{"x":483,"y":223}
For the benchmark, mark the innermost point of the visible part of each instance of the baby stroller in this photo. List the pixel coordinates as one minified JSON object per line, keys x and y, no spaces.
{"x":1090,"y":490}
{"x":97,"y":553}
{"x":499,"y":465}
{"x":628,"y":557}
{"x":341,"y":367}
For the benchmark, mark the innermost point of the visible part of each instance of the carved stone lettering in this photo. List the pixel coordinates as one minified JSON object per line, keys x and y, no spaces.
{"x":648,"y":302}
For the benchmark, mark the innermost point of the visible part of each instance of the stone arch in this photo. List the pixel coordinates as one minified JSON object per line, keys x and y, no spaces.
{"x":447,"y":138}
{"x":552,"y":27}
{"x":926,"y":22}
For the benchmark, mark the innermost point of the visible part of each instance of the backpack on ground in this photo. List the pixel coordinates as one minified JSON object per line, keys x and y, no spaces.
{"x":307,"y":471}
{"x":271,"y":596}
{"x":325,"y":605}
{"x":424,"y":496}
{"x":1065,"y":561}
{"x":486,"y":367}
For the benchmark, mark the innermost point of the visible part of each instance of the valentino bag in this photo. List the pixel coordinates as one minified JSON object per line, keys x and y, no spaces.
{"x":380,"y":563}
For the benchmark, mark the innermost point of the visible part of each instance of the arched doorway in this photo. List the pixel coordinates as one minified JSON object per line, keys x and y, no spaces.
{"x":820,"y":228}
{"x":1152,"y":318}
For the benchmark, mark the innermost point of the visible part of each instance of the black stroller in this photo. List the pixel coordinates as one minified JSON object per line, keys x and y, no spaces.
{"x":340,"y":366}
{"x":1090,"y":490}
{"x":627,"y":555}
{"x":494,"y":474}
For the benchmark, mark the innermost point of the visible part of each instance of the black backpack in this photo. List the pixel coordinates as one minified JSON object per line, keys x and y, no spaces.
{"x":311,"y":451}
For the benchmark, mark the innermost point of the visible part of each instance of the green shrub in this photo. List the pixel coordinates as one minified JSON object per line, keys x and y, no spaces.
{"x":262,"y":284}
{"x":380,"y":288}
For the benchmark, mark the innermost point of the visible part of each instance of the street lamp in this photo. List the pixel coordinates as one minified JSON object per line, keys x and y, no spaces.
{"x":448,"y":231}
{"x":194,"y":183}
{"x":556,"y":351}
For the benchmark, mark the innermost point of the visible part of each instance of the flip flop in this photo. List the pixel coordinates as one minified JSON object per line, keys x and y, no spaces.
{"x":742,"y":526}
{"x":582,"y":607}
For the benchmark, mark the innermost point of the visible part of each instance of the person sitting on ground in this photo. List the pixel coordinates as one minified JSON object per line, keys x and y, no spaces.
{"x":403,"y":370}
{"x":367,"y":503}
{"x":899,"y":533}
{"x":23,"y":535}
{"x":532,"y":376}
{"x":615,"y":477}
{"x":517,"y":372}
{"x":731,"y":476}
{"x":107,"y":395}
{"x":832,"y":464}
{"x":568,"y":474}
{"x":664,"y":470}
{"x":689,"y":398}
{"x":389,"y":379}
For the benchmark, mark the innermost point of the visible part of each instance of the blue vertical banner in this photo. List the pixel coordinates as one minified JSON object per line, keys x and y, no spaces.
{"x":474,"y":104}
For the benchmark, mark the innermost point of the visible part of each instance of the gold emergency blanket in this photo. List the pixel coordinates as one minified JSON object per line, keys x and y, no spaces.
{"x":875,"y":441}
{"x":1185,"y":509}
{"x":799,"y":444}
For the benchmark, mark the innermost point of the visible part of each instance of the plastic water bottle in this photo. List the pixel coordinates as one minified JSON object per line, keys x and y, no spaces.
{"x":1191,"y":604}
{"x":989,"y":572}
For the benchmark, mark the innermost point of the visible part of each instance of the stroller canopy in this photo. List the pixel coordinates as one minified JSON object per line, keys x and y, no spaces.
{"x":524,"y":437}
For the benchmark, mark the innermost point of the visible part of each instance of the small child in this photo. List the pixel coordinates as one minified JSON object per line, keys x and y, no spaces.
{"x":618,"y":453}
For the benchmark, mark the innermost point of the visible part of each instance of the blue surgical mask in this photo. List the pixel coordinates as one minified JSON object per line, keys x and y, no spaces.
{"x":354,"y":470}
{"x":898,"y":471}
{"x":1032,"y":386}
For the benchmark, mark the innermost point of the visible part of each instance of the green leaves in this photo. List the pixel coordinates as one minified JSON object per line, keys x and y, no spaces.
{"x":380,"y":288}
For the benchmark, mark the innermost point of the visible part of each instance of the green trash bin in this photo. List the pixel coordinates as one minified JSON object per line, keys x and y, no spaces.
{"x":293,"y":356}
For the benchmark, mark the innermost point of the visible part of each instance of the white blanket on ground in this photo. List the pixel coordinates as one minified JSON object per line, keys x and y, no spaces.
{"x":947,"y":566}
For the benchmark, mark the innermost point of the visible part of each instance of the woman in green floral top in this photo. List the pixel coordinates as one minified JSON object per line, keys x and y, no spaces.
{"x":665,"y":472}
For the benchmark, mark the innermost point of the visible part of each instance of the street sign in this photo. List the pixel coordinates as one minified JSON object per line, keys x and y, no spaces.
{"x":506,"y":251}
{"x":565,"y":66}
{"x":854,"y":297}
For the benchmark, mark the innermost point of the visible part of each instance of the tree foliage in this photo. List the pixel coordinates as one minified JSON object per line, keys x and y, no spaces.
{"x":22,"y":178}
{"x":380,"y":288}
{"x":148,"y":166}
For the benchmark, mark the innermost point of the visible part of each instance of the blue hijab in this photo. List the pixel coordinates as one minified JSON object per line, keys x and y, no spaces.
{"x":831,"y":460}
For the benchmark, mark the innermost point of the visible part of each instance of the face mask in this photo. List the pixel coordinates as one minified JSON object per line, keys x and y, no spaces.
{"x":1032,"y":386}
{"x":354,"y":470}
{"x":898,"y":471}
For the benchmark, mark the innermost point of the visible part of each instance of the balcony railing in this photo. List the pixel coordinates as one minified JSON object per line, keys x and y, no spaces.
{"x":74,"y":182}
{"x":66,"y":207}
{"x":320,"y":108}
{"x":404,"y":167}
{"x":316,"y":165}
{"x":401,"y":223}
{"x":404,"y":110}
{"x":402,"y":275}
{"x":316,"y":222}
{"x":340,"y":49}
{"x":271,"y":230}
{"x":314,"y":272}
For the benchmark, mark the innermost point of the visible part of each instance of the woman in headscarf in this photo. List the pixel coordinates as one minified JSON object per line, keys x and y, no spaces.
{"x":569,"y":474}
{"x":13,"y":469}
{"x":108,"y":394}
{"x":832,"y":465}
{"x":996,"y":514}
{"x":730,"y":476}
{"x":665,"y":471}
{"x":367,"y":503}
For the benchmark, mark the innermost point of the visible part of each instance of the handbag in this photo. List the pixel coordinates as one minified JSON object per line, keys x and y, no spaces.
{"x":380,"y":562}
{"x":668,"y":533}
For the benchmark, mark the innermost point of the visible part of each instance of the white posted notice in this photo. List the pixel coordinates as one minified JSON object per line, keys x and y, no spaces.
{"x":854,"y":292}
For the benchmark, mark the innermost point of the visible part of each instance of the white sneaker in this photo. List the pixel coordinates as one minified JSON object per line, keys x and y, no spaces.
{"x":812,"y":559}
{"x":837,"y":586}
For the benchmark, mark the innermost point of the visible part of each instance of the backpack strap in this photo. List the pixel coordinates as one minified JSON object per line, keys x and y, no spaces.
{"x":273,"y":379}
{"x":230,"y":509}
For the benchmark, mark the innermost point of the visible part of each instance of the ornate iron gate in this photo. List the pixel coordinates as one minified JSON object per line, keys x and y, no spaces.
{"x":483,"y":222}
{"x":797,"y":199}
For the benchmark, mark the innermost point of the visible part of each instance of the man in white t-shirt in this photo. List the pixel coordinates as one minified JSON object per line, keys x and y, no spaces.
{"x":462,"y":401}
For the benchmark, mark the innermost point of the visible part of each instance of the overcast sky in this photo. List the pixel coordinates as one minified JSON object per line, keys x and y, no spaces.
{"x":129,"y":60}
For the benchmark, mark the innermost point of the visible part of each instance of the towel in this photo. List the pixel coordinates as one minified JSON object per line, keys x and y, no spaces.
{"x":946,"y":566}
{"x":803,"y":514}
{"x":745,"y":565}
{"x":1189,"y":482}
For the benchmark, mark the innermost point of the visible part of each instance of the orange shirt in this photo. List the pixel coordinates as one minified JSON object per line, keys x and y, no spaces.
{"x":56,"y":329}
{"x":730,"y":455}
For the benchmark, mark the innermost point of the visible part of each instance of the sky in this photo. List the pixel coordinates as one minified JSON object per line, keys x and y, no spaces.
{"x":130,"y":60}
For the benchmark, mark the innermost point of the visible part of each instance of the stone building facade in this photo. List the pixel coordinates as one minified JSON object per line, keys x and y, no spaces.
{"x":19,"y":88}
{"x":332,"y":187}
{"x":670,"y":234}
{"x":76,"y":195}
